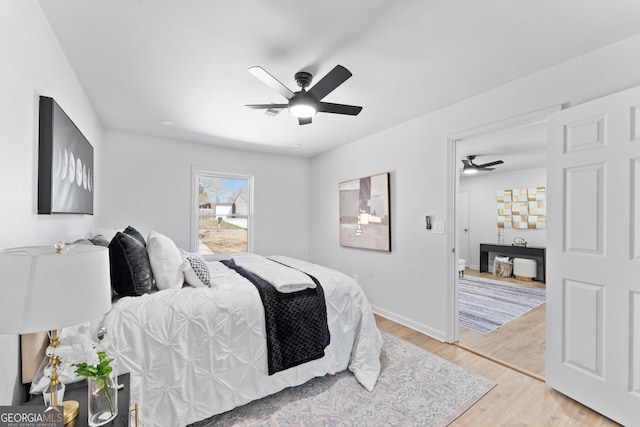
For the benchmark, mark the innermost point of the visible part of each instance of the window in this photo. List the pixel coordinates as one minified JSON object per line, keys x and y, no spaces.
{"x":222,"y":206}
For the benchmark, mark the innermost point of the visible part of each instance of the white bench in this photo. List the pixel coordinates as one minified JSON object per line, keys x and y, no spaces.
{"x":524,"y":269}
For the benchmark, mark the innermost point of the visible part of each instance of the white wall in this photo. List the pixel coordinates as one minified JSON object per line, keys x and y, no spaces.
{"x":483,"y":208}
{"x":33,"y":64}
{"x":412,"y":283}
{"x":148,"y":185}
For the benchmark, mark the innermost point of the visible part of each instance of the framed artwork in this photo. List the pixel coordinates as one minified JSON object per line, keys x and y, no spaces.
{"x":364,"y":213}
{"x":522,"y":208}
{"x":65,"y":164}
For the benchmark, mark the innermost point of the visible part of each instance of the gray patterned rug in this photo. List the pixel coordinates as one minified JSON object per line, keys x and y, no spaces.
{"x":484,"y":304}
{"x":415,"y":388}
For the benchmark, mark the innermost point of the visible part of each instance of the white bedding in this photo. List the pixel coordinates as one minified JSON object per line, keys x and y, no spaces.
{"x":197,"y":352}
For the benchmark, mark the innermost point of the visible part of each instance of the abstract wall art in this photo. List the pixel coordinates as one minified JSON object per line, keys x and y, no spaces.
{"x":364,"y":213}
{"x":522,"y":208}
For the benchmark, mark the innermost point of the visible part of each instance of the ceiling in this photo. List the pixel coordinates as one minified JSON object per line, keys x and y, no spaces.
{"x":519,"y":147}
{"x":145,"y":62}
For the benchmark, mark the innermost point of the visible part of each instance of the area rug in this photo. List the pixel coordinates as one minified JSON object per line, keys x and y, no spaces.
{"x":484,"y":304}
{"x":415,"y":388}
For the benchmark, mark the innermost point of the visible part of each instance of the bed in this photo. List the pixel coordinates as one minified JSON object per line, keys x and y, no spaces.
{"x":197,"y":352}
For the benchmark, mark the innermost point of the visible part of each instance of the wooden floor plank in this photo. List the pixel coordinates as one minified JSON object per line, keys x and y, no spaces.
{"x":517,"y":399}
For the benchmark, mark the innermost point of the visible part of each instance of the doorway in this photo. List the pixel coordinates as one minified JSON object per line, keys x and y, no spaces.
{"x":520,"y":143}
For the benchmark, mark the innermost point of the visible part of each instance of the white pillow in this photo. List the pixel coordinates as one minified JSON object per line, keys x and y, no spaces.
{"x":165,"y":260}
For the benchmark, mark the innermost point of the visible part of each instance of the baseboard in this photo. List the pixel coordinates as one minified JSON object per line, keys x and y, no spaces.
{"x":404,"y":321}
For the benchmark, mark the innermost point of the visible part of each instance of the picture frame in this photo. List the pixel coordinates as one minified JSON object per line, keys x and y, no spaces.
{"x":365,"y":221}
{"x":65,"y":164}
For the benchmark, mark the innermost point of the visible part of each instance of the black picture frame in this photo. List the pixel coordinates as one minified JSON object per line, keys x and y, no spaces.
{"x":65,"y":164}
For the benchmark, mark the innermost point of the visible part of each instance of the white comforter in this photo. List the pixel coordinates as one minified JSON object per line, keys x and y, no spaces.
{"x":197,"y":352}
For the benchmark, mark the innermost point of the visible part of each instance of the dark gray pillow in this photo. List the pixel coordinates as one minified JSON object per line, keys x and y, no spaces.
{"x":83,"y":242}
{"x":135,"y":234}
{"x":129,"y":266}
{"x":100,"y":240}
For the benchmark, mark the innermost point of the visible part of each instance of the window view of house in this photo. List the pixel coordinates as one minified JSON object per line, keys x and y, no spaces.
{"x":223,"y":213}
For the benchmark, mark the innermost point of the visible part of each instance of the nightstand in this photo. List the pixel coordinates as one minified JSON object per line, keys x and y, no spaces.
{"x":78,"y":391}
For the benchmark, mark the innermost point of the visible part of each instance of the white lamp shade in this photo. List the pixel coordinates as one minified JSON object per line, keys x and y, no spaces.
{"x":41,"y":290}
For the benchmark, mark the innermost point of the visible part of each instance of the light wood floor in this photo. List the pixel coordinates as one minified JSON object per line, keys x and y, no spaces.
{"x":516,"y":400}
{"x":520,"y":342}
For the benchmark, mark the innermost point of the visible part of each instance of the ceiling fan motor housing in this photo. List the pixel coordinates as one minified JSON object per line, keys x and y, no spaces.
{"x":303,"y":79}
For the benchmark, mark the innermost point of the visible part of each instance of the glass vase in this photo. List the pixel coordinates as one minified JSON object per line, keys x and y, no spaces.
{"x":102,"y":399}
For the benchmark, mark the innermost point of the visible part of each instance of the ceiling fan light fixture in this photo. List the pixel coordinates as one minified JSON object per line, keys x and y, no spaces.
{"x":469,"y":171}
{"x":302,"y":111}
{"x":302,"y":108}
{"x":470,"y":168}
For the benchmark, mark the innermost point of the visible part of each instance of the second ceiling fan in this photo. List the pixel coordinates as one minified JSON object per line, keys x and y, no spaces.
{"x":470,"y":167}
{"x":305,"y":104}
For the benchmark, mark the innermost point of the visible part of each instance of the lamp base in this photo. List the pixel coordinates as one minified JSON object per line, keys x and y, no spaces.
{"x":54,"y":394}
{"x":71,"y":410}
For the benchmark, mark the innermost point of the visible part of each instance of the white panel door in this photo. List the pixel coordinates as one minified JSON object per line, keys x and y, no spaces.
{"x":593,"y":255}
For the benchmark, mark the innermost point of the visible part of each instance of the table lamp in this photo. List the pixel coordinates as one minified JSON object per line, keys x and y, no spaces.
{"x":45,"y":288}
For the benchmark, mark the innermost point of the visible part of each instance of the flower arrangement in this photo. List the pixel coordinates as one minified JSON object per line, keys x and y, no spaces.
{"x":73,"y":350}
{"x":100,"y":372}
{"x":101,"y":369}
{"x":81,"y":350}
{"x":90,"y":360}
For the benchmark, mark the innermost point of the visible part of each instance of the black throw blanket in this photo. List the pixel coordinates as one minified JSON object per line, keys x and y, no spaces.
{"x":296,"y":322}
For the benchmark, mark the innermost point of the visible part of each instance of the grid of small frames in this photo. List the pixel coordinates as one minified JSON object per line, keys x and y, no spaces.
{"x":522,"y":208}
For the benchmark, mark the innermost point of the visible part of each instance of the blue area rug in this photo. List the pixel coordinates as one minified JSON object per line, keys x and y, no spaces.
{"x":415,"y":388}
{"x":484,"y":305}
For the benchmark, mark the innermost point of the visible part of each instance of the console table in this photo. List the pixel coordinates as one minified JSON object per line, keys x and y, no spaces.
{"x":532,"y":252}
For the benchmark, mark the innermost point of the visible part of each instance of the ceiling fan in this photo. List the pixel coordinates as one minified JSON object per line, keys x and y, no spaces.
{"x":305,"y":104}
{"x":470,"y":167}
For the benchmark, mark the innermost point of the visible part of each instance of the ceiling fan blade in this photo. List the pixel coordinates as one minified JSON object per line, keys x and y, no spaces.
{"x":266,"y":106}
{"x":327,"y":107}
{"x":486,"y":169}
{"x":328,"y":83}
{"x":271,"y":81}
{"x":304,"y":120}
{"x":497,"y":162}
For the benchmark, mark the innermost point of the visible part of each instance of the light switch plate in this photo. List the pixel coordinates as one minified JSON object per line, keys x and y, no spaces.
{"x":438,"y":227}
